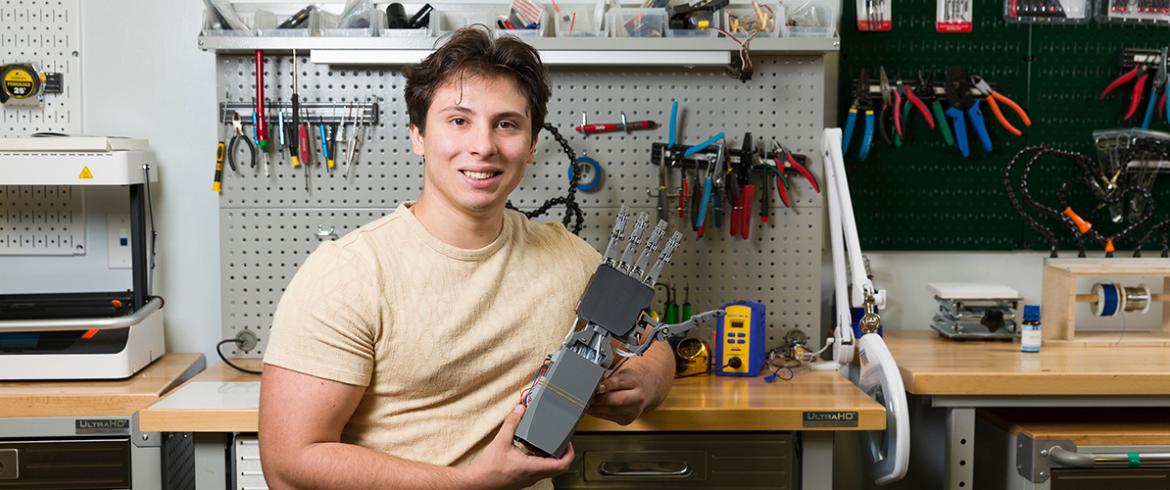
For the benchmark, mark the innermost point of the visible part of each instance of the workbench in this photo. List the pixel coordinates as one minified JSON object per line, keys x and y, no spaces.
{"x":948,"y":380}
{"x":222,"y":403}
{"x":95,"y":416}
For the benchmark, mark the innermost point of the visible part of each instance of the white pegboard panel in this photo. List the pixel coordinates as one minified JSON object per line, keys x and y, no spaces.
{"x":48,"y":33}
{"x":42,"y":220}
{"x":269,"y":224}
{"x":783,"y":102}
{"x":779,"y":266}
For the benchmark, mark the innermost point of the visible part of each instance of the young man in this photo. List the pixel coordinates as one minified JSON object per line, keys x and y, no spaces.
{"x":396,"y":351}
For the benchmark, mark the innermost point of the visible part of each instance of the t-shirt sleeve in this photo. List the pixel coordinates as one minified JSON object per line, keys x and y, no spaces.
{"x":329,"y":318}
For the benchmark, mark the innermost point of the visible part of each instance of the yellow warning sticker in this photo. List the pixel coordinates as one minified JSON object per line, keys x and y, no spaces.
{"x":85,"y":173}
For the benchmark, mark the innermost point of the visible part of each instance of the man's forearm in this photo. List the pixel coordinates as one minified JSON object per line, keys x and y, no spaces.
{"x":342,"y":466}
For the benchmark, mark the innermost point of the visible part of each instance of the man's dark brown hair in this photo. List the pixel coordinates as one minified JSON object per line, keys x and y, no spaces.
{"x":474,"y":51}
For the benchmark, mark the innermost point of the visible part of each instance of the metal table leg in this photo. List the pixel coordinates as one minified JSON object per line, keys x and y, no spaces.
{"x":211,"y":460}
{"x":959,"y":469}
{"x":816,"y":465}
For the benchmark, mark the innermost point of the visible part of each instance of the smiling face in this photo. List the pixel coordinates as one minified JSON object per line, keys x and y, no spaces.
{"x":477,"y":141}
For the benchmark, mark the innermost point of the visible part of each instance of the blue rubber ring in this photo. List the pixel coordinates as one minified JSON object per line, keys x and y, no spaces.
{"x":1112,"y":299}
{"x":591,"y":185}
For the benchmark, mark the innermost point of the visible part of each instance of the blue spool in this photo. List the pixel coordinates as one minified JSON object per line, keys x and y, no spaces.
{"x":595,"y":167}
{"x":1109,"y":300}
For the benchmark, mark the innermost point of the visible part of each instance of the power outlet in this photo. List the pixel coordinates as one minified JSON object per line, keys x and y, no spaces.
{"x":118,"y":240}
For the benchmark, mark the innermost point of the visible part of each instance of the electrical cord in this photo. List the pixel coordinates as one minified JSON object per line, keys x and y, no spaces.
{"x":572,"y":209}
{"x":701,"y":373}
{"x":230,"y":363}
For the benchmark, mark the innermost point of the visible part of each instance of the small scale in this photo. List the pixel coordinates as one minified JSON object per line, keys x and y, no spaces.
{"x":971,"y":311}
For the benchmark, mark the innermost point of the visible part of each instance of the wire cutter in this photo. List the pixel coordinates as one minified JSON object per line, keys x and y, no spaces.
{"x":992,"y":96}
{"x":1140,"y":73}
{"x":961,"y":102}
{"x":238,"y":125}
{"x":789,"y":163}
{"x":890,"y":101}
{"x":926,"y":91}
{"x":861,"y":103}
{"x":1158,"y":85}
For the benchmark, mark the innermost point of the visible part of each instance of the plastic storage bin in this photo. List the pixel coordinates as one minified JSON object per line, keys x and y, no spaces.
{"x":637,"y":22}
{"x":814,"y":21}
{"x":445,"y":19}
{"x":578,"y":21}
{"x":713,"y":20}
{"x":746,"y":15}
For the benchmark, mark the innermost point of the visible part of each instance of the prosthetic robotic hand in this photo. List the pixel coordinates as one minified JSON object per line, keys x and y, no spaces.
{"x":613,"y":306}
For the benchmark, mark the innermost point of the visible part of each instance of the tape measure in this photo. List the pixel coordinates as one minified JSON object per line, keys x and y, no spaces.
{"x":22,"y":84}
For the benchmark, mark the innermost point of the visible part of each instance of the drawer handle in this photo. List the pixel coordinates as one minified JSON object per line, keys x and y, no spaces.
{"x":648,"y":468}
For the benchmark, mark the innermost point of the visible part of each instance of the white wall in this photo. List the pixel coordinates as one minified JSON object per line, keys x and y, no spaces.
{"x":144,"y":76}
{"x":909,"y":305}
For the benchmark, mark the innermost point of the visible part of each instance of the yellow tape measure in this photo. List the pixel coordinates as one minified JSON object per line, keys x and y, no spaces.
{"x":21,"y":84}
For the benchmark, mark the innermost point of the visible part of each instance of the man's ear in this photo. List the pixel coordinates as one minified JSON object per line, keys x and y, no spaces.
{"x":532,"y":151}
{"x":416,"y":140}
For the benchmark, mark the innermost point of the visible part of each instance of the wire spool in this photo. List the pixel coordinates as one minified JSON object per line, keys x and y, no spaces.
{"x":1137,"y":299}
{"x":1110,"y":299}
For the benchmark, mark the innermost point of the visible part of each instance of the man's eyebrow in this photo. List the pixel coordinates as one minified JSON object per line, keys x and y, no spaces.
{"x":457,"y":108}
{"x":511,"y":114}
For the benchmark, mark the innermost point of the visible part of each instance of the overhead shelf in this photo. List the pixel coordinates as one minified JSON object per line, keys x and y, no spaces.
{"x":589,"y":48}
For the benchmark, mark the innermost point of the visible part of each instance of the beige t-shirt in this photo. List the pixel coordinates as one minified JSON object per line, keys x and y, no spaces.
{"x":444,"y":339}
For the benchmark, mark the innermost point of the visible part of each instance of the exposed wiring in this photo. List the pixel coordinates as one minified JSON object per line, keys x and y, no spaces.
{"x":526,"y":395}
{"x":745,"y":58}
{"x":230,"y":363}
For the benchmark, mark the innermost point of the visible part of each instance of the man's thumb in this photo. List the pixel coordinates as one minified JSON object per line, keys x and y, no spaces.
{"x":512,"y":420}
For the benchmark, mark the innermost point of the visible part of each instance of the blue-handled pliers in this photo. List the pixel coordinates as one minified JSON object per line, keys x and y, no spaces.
{"x":1158,"y":85}
{"x":961,"y":101}
{"x":862,"y":105}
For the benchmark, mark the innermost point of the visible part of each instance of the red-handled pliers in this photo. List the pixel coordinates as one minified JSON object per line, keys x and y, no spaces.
{"x":1141,"y":74}
{"x":790,"y":163}
{"x":918,"y":104}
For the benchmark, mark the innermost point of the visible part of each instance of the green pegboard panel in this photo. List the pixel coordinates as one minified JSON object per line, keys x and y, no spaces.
{"x":924,"y":195}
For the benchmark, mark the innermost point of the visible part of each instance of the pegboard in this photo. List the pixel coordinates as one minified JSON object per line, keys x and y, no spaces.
{"x":924,"y":195}
{"x":270,"y":224}
{"x":47,"y":33}
{"x":42,"y":220}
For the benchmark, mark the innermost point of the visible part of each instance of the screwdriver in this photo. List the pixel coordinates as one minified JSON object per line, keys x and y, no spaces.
{"x":686,"y":306}
{"x":217,"y":183}
{"x":262,"y":126}
{"x":325,"y":147}
{"x":293,"y":144}
{"x":280,"y":133}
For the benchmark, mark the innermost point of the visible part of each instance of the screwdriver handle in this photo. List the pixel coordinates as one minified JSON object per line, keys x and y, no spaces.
{"x":303,"y":139}
{"x":217,"y":183}
{"x":262,"y":125}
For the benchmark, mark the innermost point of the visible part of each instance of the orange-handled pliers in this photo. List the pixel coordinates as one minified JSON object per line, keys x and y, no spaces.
{"x":992,"y":97}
